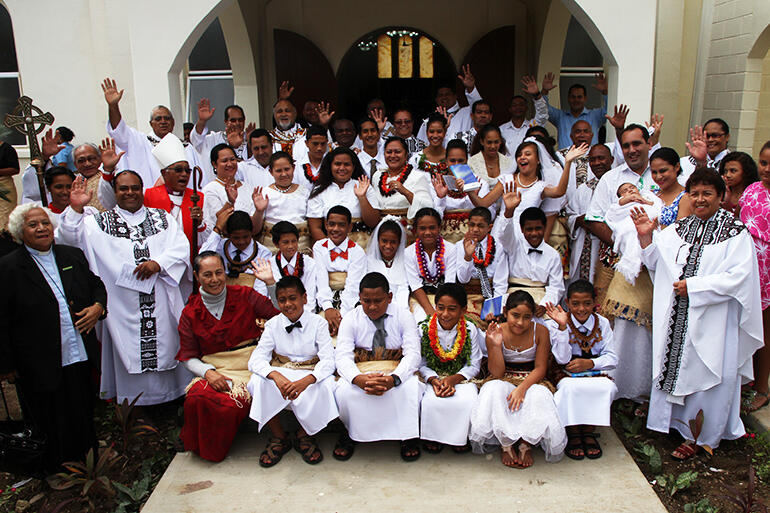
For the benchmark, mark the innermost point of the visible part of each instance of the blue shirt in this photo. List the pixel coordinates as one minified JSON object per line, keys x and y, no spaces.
{"x":563,"y":121}
{"x":72,"y":348}
{"x":65,"y":157}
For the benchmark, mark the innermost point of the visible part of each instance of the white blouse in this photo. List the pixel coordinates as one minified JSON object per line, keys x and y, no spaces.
{"x":319,"y":206}
{"x":415,"y":183}
{"x":286,"y":206}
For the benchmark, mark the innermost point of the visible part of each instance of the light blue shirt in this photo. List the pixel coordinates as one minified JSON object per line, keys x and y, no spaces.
{"x":65,"y":157}
{"x":72,"y":348}
{"x":563,"y":121}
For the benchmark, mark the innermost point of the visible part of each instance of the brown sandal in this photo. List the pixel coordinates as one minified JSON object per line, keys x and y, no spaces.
{"x":274,"y":451}
{"x":687,"y":451}
{"x":308,"y":447}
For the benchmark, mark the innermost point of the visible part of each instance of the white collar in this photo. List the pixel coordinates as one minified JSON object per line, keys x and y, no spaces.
{"x":292,"y":262}
{"x":132,"y":218}
{"x":35,"y":252}
{"x":343,"y":245}
{"x":589,"y":324}
{"x":303,"y":320}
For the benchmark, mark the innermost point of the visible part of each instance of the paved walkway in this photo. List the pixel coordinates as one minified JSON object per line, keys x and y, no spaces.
{"x":376,"y":479}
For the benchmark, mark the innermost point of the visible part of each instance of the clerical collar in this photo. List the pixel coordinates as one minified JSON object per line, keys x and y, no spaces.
{"x":36,"y":252}
{"x":132,"y":217}
{"x":173,"y":193}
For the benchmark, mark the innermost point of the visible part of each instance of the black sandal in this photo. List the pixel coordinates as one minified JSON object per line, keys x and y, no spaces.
{"x":592,"y":446}
{"x":432,"y":447}
{"x":308,"y":447}
{"x":410,"y":446}
{"x":346,"y":444}
{"x":571,"y":446}
{"x":275,"y":449}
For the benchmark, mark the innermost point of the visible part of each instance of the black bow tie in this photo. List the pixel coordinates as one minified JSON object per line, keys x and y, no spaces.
{"x":291,"y":327}
{"x":534,"y":250}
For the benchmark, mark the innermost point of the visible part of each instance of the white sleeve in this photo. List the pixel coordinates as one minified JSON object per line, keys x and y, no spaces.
{"x":608,"y":359}
{"x":325,"y":366}
{"x":72,"y":230}
{"x":500,"y":280}
{"x":465,"y":267}
{"x":324,"y":293}
{"x":554,"y":289}
{"x":105,"y":192}
{"x":473,"y":367}
{"x":473,"y":96}
{"x":356,"y":271}
{"x":413,"y":278}
{"x":259,"y":362}
{"x":562,"y":352}
{"x":450,"y":257}
{"x":198,"y":140}
{"x":197,"y":367}
{"x":343,"y":352}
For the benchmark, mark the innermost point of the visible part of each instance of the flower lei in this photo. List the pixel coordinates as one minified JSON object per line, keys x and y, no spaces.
{"x":489,"y":256}
{"x":384,"y":185}
{"x":297,"y":268}
{"x":440,"y":169}
{"x":422,"y":264}
{"x":445,"y":362}
{"x":308,"y":171}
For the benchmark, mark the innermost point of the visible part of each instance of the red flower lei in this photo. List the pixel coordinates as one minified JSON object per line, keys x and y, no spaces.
{"x":384,"y":186}
{"x":297,"y":268}
{"x":489,"y":256}
{"x":457,"y":347}
{"x":440,"y":169}
{"x":308,"y":171}
{"x":422,"y":265}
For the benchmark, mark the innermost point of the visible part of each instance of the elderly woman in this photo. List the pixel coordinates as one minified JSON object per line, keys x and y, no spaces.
{"x":709,"y":317}
{"x":49,"y":306}
{"x":218,"y":330}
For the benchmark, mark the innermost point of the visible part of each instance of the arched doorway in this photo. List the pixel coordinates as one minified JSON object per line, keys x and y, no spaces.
{"x":402,"y":66}
{"x":491,"y":59}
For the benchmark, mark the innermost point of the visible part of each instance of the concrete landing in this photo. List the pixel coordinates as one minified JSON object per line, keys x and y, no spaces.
{"x":376,"y":479}
{"x":759,"y":420}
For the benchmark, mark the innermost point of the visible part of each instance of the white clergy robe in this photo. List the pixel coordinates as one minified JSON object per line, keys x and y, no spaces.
{"x":448,"y":419}
{"x":315,"y":407}
{"x":395,"y":414}
{"x":309,"y":276}
{"x":497,"y":270}
{"x":703,"y":343}
{"x":354,"y":265}
{"x":585,"y":400}
{"x":139,"y":157}
{"x":140,"y":340}
{"x":205,"y":142}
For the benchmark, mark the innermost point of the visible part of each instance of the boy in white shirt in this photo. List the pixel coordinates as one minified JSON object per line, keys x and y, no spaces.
{"x":288,"y":261}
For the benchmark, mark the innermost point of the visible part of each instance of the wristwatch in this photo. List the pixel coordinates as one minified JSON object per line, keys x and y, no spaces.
{"x":396,"y":380}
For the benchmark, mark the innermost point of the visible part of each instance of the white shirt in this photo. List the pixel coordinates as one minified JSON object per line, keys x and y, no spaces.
{"x":446,"y":338}
{"x":354,"y":265}
{"x":303,"y":343}
{"x":357,"y":331}
{"x":250,"y":172}
{"x":309,"y":276}
{"x":379,"y":159}
{"x":286,"y":206}
{"x":412,"y":270}
{"x":514,"y":136}
{"x":299,"y":173}
{"x":605,"y":358}
{"x":205,"y":142}
{"x":215,"y":197}
{"x":318,"y":206}
{"x":215,"y":242}
{"x":460,"y":122}
{"x":688,"y":166}
{"x":497,"y":271}
{"x":606,"y":192}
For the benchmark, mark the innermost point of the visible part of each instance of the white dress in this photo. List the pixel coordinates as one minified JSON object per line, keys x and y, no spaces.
{"x":215,"y":197}
{"x":414,"y":183}
{"x":286,"y":206}
{"x":536,"y":421}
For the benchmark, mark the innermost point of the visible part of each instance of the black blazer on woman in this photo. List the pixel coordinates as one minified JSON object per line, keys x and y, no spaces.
{"x":30,"y":334}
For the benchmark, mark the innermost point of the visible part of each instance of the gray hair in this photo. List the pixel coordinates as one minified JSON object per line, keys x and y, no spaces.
{"x":90,"y":144}
{"x":160,"y":107}
{"x":19,"y":214}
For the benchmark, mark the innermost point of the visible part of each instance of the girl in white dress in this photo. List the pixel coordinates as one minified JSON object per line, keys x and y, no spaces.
{"x":386,"y":256}
{"x":514,"y":408}
{"x":225,"y":188}
{"x":401,"y":189}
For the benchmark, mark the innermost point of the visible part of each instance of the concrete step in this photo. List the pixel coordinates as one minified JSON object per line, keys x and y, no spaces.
{"x":376,"y":479}
{"x":759,"y":421}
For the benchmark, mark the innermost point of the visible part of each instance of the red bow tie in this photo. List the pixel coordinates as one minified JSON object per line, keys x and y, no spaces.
{"x":342,"y":254}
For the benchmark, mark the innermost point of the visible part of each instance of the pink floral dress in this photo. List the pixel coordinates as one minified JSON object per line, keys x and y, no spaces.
{"x":755,"y":214}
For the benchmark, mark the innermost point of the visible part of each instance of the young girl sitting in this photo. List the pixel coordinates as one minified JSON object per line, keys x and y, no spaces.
{"x":386,"y":257}
{"x":516,"y":407}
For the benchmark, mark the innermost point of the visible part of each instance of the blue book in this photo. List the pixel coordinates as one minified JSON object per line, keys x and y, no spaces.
{"x":465,"y":173}
{"x":493,"y":306}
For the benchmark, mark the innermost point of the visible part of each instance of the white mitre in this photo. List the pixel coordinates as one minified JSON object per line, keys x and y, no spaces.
{"x":169,"y":150}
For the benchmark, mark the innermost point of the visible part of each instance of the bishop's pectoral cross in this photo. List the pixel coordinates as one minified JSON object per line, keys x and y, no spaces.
{"x":23,"y":119}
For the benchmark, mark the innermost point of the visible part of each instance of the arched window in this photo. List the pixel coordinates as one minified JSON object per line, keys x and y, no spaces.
{"x":580,"y":61}
{"x":210,"y":76}
{"x":9,"y":78}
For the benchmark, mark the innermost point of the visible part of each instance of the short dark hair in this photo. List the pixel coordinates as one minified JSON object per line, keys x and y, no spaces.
{"x":578,"y":86}
{"x":65,"y":133}
{"x":203,"y":255}
{"x":435,"y":117}
{"x":227,"y":111}
{"x":581,"y":287}
{"x":399,"y":140}
{"x":520,"y":297}
{"x":316,"y":130}
{"x":721,"y":122}
{"x":453,"y":290}
{"x":55,"y":171}
{"x":365,"y":120}
{"x":374,"y":281}
{"x":114,"y":181}
{"x":426,"y":212}
{"x":282,"y":228}
{"x":340,"y":210}
{"x":279,"y":155}
{"x":260,"y":132}
{"x":214,"y":155}
{"x":188,"y":126}
{"x":539,"y":129}
{"x":636,"y":126}
{"x":480,"y":102}
{"x":706,"y":176}
{"x":532,"y":214}
{"x":517,"y":96}
{"x":749,"y":166}
{"x":482,"y":212}
{"x":239,"y":220}
{"x":290,"y":282}
{"x":457,"y":144}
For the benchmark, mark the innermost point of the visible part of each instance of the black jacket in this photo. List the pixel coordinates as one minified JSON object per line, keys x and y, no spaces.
{"x":30,"y":334}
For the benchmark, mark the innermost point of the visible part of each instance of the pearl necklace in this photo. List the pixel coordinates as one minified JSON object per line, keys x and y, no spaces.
{"x":518,"y":179}
{"x":283,"y":191}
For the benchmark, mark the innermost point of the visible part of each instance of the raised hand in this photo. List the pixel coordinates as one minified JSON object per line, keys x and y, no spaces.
{"x":557,"y":314}
{"x":575,"y":152}
{"x":656,"y":122}
{"x":548,"y":83}
{"x":222,"y":216}
{"x":644,"y":226}
{"x":234,"y":137}
{"x":111,"y":94}
{"x":324,"y":115}
{"x":284,"y":92}
{"x":231,"y":188}
{"x":697,"y":148}
{"x":530,"y":85}
{"x":80,"y":196}
{"x":618,"y":119}
{"x":262,"y":271}
{"x":110,"y":157}
{"x":511,"y":195}
{"x":260,"y":200}
{"x":379,"y":118}
{"x":250,"y":128}
{"x":467,"y":78}
{"x":469,"y":246}
{"x":494,"y":335}
{"x":361,"y":187}
{"x":49,"y":148}
{"x":601,"y":83}
{"x":439,"y":186}
{"x":205,"y":110}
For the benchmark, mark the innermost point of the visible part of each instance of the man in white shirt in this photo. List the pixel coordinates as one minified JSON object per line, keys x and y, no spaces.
{"x":234,"y":134}
{"x":446,"y":100}
{"x":308,"y":168}
{"x":716,"y":133}
{"x":255,"y":171}
{"x":514,"y":130}
{"x":481,"y":115}
{"x":377,"y":355}
{"x":344,"y":132}
{"x":371,"y":156}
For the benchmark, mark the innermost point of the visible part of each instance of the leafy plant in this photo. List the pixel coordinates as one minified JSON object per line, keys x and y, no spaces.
{"x":650,"y":455}
{"x":125,"y":415}
{"x":674,"y":484}
{"x":91,"y":475}
{"x":702,"y":506}
{"x":760,"y":443}
{"x":130,"y":498}
{"x":632,"y":425}
{"x":746,"y":502}
{"x":696,"y":427}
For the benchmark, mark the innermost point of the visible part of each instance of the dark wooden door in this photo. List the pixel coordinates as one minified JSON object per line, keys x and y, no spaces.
{"x":492,"y":62}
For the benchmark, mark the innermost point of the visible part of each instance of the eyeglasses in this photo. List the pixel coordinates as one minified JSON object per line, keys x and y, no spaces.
{"x":402,"y":122}
{"x":179,"y":169}
{"x":714,"y":135}
{"x":91,"y":159}
{"x":162,"y":118}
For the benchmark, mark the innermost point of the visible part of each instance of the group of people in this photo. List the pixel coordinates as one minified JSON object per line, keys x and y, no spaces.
{"x":454,"y":284}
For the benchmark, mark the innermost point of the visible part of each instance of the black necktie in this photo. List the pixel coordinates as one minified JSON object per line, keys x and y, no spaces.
{"x":533,"y":250}
{"x":291,"y":327}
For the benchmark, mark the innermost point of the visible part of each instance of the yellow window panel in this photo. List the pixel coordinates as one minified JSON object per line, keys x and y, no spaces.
{"x":384,"y":59}
{"x":426,"y":57}
{"x":405,"y":51}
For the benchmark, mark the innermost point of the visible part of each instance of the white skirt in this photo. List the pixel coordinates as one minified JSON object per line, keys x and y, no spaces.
{"x":314,"y":408}
{"x":536,"y":422}
{"x":633,"y":375}
{"x":585,"y":401}
{"x":395,"y":415}
{"x":447,"y":419}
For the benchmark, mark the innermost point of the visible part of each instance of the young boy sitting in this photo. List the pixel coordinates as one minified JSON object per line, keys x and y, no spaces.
{"x":341,"y":265}
{"x":533,"y":265}
{"x":288,"y":261}
{"x":484,"y":268}
{"x":451,"y":354}
{"x":583,"y":340}
{"x":377,"y":355}
{"x":293,"y":367}
{"x":238,"y":249}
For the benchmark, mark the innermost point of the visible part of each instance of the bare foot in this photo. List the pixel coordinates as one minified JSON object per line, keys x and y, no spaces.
{"x":525,"y":455}
{"x":509,"y":459}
